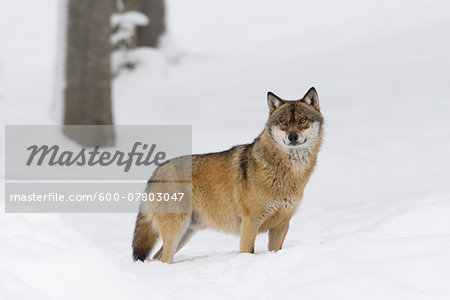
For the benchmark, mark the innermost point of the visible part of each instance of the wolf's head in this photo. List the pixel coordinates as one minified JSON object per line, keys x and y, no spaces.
{"x":295,"y":124}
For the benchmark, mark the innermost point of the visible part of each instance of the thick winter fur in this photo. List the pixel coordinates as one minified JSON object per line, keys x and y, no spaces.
{"x":246,"y":190}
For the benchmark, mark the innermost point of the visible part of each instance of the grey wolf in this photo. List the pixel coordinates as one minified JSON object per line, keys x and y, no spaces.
{"x":246,"y":190}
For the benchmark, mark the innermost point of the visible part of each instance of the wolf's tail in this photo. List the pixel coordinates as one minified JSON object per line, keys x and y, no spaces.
{"x":145,"y":237}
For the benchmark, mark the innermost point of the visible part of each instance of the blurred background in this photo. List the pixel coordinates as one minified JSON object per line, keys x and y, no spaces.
{"x":382,"y":71}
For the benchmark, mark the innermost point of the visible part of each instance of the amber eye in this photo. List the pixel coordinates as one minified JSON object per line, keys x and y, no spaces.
{"x":284,"y":123}
{"x":303,"y":120}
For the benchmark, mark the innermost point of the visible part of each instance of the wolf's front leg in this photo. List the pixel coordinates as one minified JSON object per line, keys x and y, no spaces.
{"x":249,"y":230}
{"x":277,"y":235}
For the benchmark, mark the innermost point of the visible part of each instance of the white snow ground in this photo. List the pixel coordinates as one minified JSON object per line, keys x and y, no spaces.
{"x":375,"y":221}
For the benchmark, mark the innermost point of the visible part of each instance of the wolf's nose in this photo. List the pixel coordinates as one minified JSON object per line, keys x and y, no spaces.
{"x":293,"y":137}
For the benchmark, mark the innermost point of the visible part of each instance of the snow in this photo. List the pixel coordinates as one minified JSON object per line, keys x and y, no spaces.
{"x":126,"y":22}
{"x":129,"y":18}
{"x":374,"y":221}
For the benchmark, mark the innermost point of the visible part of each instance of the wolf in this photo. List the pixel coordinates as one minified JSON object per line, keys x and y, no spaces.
{"x":247,"y":190}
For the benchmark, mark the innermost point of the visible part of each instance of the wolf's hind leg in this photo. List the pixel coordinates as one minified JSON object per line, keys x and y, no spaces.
{"x":183,"y":241}
{"x":277,"y":235}
{"x":171,"y":228}
{"x":158,"y":254}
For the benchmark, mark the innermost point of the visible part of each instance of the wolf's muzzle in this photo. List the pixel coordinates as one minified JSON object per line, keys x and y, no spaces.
{"x":293,"y":137}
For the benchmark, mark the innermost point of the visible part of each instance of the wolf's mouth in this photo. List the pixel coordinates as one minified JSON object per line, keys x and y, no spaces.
{"x":295,"y":143}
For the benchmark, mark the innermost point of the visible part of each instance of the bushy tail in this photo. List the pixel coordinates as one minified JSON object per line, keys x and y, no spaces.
{"x":144,"y":238}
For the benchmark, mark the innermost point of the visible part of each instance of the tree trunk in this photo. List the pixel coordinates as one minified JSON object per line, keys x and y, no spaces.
{"x":155,"y":11}
{"x":88,"y":71}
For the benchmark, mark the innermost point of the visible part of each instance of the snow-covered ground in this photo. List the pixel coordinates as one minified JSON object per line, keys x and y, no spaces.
{"x":375,"y":220}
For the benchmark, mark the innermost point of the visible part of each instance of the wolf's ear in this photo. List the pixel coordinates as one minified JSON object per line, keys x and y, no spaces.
{"x":273,"y":101}
{"x":311,"y":98}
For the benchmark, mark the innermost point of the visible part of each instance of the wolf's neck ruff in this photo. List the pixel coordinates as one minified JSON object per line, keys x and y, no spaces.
{"x":299,"y":158}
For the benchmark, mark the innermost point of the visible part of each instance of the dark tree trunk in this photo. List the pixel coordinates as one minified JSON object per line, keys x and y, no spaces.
{"x":88,"y":70}
{"x":155,"y":11}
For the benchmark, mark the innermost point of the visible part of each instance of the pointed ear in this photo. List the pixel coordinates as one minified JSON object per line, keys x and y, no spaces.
{"x":311,"y":98}
{"x":273,"y":101}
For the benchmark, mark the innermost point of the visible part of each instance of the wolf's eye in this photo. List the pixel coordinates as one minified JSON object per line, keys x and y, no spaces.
{"x":284,"y":123}
{"x":303,"y":120}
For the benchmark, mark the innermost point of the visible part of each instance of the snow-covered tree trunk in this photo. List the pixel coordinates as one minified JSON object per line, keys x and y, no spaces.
{"x":123,"y":39}
{"x":88,"y":70}
{"x":128,"y":5}
{"x":155,"y":10}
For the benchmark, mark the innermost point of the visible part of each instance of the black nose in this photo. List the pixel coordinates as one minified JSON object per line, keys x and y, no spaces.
{"x":293,"y":137}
